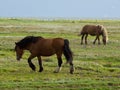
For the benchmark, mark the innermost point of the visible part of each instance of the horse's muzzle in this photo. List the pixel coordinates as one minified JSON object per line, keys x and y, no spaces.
{"x":18,"y":58}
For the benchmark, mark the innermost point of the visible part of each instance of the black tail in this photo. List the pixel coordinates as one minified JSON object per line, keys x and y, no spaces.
{"x":67,"y":52}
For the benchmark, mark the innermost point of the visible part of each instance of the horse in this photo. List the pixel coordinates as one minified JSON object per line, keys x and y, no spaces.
{"x":39,"y":46}
{"x":94,"y":30}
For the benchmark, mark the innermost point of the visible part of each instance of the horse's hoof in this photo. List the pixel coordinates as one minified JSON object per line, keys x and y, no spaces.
{"x":34,"y":69}
{"x":41,"y":69}
{"x":93,"y":43}
{"x":71,"y":72}
{"x":55,"y":72}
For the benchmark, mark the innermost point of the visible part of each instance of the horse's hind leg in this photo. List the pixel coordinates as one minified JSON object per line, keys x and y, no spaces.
{"x":71,"y":67}
{"x":86,"y":39}
{"x":40,"y":64}
{"x":30,"y":63}
{"x":59,"y":64}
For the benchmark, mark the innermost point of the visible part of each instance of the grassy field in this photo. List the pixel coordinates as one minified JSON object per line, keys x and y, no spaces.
{"x":97,"y":67}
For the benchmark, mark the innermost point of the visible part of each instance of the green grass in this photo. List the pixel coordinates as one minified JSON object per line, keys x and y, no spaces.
{"x":97,"y":67}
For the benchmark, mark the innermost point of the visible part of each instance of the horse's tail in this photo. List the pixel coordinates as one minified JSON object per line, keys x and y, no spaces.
{"x":83,"y":30}
{"x":67,"y":52}
{"x":79,"y":34}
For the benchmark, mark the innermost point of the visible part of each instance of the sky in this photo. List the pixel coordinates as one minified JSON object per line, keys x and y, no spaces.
{"x":60,"y":8}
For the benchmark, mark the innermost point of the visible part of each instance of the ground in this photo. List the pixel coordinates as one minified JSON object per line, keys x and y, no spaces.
{"x":96,"y":66}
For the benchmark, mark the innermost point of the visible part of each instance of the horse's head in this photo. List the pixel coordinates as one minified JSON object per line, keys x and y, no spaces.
{"x":104,"y":40}
{"x":103,"y":31}
{"x":19,"y":51}
{"x":105,"y":36}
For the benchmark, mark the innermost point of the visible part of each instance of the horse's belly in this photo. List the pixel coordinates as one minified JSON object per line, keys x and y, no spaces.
{"x":92,"y":34}
{"x":46,"y":53}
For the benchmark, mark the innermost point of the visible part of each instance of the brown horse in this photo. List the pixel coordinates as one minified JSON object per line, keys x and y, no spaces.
{"x":39,"y":46}
{"x":94,"y":30}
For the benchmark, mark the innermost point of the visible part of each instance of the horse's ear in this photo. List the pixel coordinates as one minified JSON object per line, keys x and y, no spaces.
{"x":15,"y":43}
{"x":99,"y":26}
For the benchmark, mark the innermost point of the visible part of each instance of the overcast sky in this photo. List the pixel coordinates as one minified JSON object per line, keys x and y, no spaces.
{"x":60,"y":8}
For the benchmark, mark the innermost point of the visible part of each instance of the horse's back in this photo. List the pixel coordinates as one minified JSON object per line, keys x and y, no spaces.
{"x":48,"y":47}
{"x":58,"y":43}
{"x":51,"y":42}
{"x":89,"y":29}
{"x":86,"y":29}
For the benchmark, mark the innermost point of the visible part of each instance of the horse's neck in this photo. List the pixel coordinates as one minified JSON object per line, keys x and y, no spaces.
{"x":27,"y":47}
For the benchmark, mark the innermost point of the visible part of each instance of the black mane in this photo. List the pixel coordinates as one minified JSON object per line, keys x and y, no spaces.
{"x":27,"y":40}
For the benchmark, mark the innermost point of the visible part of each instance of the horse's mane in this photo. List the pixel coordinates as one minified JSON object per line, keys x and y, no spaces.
{"x":105,"y":34}
{"x":28,"y":40}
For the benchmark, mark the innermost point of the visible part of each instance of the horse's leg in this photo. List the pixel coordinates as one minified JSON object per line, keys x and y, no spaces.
{"x":98,"y":40}
{"x":40,"y":64}
{"x":82,"y":39}
{"x":59,"y":63}
{"x":30,"y":63}
{"x":86,"y":39}
{"x":95,"y":39}
{"x":71,"y":67}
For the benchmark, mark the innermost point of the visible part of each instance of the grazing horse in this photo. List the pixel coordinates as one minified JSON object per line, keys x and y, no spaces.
{"x":94,"y":30}
{"x":39,"y":46}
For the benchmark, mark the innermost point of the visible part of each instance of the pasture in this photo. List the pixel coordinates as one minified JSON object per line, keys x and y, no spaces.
{"x":97,"y":67}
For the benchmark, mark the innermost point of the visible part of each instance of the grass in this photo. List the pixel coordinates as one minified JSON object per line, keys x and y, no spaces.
{"x":97,"y":67}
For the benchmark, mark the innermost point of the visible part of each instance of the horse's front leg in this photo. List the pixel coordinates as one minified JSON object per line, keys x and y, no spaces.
{"x":30,"y":62}
{"x":59,"y":64}
{"x":98,"y":40}
{"x":40,"y":64}
{"x":95,"y":39}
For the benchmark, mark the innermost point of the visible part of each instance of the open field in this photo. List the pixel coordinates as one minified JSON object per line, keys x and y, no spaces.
{"x":97,"y":67}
